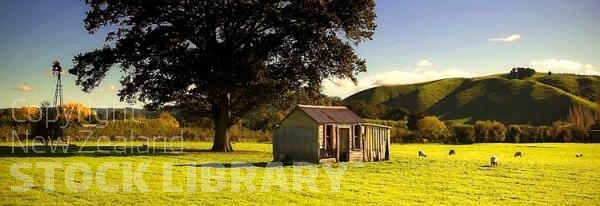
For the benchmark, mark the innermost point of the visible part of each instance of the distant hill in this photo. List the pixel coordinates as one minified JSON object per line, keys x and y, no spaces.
{"x":539,"y":100}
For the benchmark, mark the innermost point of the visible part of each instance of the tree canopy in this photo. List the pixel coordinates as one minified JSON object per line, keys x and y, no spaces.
{"x":224,"y":58}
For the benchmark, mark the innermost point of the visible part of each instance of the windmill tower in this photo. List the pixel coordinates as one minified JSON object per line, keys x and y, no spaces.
{"x":58,"y":95}
{"x":56,"y":129}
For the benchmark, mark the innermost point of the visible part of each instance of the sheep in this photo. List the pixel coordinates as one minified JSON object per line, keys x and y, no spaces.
{"x":518,"y":154}
{"x":494,"y":160}
{"x":422,"y":153}
{"x":451,"y":152}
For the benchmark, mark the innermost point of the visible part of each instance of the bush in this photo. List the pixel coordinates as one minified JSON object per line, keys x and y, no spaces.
{"x":520,"y":73}
{"x":579,"y":133}
{"x":513,"y":134}
{"x":545,"y":133}
{"x":166,"y":119}
{"x":464,"y":134}
{"x":433,"y":129}
{"x":528,"y":134}
{"x":413,"y":119}
{"x":563,"y":134}
{"x":489,"y":131}
{"x":498,"y":132}
{"x":482,"y":129}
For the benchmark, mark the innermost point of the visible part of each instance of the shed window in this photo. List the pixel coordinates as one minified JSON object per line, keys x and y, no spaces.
{"x":356,"y":139}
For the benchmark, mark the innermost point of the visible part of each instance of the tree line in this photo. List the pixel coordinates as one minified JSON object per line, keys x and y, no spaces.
{"x":430,"y":129}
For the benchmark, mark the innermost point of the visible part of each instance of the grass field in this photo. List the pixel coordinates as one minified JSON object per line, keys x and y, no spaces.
{"x":548,"y":174}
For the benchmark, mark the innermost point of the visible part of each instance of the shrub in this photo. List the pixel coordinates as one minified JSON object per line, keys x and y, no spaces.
{"x":399,"y":135}
{"x":77,"y":111}
{"x":413,"y":119}
{"x":579,"y":133}
{"x":594,"y":134}
{"x":498,"y":132}
{"x":513,"y":134}
{"x":563,"y":134}
{"x":464,"y":134}
{"x":166,"y":119}
{"x":433,"y":129}
{"x":545,"y":133}
{"x":409,"y":137}
{"x":528,"y":134}
{"x":482,"y":129}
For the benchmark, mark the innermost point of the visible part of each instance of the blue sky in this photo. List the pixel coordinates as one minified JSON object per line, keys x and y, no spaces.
{"x":415,"y":41}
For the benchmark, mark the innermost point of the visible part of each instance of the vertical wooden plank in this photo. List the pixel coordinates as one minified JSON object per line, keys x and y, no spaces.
{"x":351,"y":138}
{"x":283,"y":144}
{"x":337,"y":143}
{"x":320,"y":134}
{"x":320,"y":140}
{"x":367,"y":150}
{"x":389,"y":152}
{"x":368,"y":143}
{"x":275,"y":149}
{"x":378,"y":144}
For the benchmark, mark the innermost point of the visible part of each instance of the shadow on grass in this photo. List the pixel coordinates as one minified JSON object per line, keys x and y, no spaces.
{"x":89,"y":151}
{"x":237,"y":165}
{"x":486,"y":166}
{"x":535,"y":146}
{"x":236,"y":152}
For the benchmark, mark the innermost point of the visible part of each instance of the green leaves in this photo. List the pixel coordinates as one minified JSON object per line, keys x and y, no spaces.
{"x":249,"y":49}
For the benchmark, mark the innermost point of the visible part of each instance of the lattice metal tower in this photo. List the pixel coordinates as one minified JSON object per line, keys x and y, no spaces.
{"x":58,"y":95}
{"x":58,"y":98}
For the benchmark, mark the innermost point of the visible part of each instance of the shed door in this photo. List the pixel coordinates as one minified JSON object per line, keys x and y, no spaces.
{"x":344,"y":140}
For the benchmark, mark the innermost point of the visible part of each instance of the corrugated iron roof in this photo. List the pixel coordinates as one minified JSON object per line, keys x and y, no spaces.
{"x":331,"y":114}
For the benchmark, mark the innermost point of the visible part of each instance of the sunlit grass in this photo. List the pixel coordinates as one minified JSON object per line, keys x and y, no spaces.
{"x":547,"y":174}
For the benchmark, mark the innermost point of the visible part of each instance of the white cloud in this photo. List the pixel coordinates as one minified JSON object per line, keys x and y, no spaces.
{"x":345,"y":88}
{"x":112,"y":88}
{"x":424,"y":63}
{"x":563,"y":66}
{"x":24,"y":87}
{"x":109,"y":88}
{"x":508,"y":39}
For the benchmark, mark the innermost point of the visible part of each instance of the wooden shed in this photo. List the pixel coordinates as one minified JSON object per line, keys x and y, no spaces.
{"x":312,"y":133}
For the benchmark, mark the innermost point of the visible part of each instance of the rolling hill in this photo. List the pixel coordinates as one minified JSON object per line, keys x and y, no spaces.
{"x":538,"y":100}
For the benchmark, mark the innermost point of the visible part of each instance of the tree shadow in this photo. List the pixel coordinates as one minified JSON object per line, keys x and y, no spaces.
{"x":238,"y":165}
{"x":89,"y":151}
{"x":236,"y":152}
{"x":535,"y":146}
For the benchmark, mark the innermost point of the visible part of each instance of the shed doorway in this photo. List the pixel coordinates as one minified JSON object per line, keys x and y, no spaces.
{"x":329,"y":142}
{"x":344,"y":137}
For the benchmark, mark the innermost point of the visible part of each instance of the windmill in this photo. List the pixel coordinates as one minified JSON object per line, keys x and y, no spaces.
{"x":56,"y":109}
{"x":58,"y":95}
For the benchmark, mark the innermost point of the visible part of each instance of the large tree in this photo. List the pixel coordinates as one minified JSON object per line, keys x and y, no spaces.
{"x":223,"y":58}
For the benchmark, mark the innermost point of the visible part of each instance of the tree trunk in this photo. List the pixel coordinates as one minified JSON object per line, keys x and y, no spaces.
{"x":222,"y":121}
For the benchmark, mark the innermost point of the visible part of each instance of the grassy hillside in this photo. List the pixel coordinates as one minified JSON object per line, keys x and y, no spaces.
{"x":538,"y":100}
{"x":548,"y":174}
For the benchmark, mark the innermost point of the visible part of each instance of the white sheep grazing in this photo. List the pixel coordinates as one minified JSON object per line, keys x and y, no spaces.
{"x":494,"y":160}
{"x":422,"y":154}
